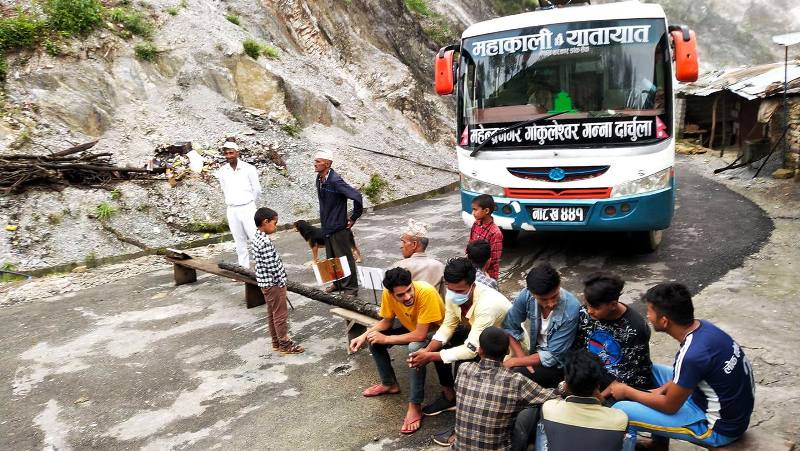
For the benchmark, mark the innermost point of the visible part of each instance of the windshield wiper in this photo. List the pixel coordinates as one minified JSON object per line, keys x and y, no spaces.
{"x":514,"y":127}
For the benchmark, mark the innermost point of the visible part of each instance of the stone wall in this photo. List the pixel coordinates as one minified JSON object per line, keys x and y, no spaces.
{"x":791,"y":159}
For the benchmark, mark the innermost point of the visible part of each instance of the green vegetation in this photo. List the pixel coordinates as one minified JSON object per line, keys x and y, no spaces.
{"x":146,"y":51}
{"x":374,"y":188}
{"x":116,"y":194}
{"x":104,"y":211}
{"x":55,"y":20}
{"x":172,"y":10}
{"x":252,"y":48}
{"x":208,"y":227}
{"x":73,"y":17}
{"x":270,"y":52}
{"x":506,"y":7}
{"x":8,"y":266}
{"x":233,"y":18}
{"x":294,"y":129}
{"x":90,"y":260}
{"x":133,"y":22}
{"x":435,"y":25}
{"x":420,"y":7}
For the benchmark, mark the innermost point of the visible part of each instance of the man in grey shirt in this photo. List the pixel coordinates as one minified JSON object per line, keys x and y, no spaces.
{"x":413,"y":243}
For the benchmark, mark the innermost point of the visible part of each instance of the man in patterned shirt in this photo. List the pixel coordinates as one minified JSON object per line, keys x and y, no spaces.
{"x":614,"y":332}
{"x":496,"y":408}
{"x":271,"y":278}
{"x":484,"y":228}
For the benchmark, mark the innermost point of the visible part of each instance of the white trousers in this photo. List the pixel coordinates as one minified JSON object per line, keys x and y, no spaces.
{"x":243,"y":228}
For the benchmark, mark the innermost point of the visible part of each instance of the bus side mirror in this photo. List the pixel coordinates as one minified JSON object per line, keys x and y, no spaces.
{"x":685,"y":44}
{"x":443,"y":66}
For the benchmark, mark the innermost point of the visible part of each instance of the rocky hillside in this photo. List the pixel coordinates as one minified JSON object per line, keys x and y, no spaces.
{"x":353,"y":75}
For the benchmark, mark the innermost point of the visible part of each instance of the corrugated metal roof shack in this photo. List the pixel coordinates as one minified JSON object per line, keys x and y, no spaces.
{"x":742,"y":107}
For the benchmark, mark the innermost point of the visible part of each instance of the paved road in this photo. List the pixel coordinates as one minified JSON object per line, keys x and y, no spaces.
{"x":139,"y":363}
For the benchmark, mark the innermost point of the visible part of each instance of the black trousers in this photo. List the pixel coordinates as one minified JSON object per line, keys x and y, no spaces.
{"x":547,"y":377}
{"x":337,"y":245}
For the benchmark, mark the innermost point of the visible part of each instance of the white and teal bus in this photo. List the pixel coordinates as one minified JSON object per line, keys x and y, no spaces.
{"x":566,"y":117}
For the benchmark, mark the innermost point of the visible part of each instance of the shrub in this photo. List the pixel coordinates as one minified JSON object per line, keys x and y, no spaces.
{"x":146,"y":51}
{"x":19,"y":31}
{"x":419,"y":6}
{"x":172,"y":10}
{"x":294,"y":130}
{"x":375,"y":187}
{"x":91,"y":260}
{"x":73,"y":16}
{"x":252,"y":48}
{"x":439,"y":31}
{"x":52,"y":48}
{"x":233,"y":18}
{"x":104,"y":211}
{"x":270,"y":52}
{"x":3,"y":68}
{"x":208,"y":227}
{"x":134,"y":22}
{"x":116,"y":194}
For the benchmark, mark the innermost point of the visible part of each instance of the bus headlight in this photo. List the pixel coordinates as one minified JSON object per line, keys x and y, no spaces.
{"x":653,"y":182}
{"x":471,"y":184}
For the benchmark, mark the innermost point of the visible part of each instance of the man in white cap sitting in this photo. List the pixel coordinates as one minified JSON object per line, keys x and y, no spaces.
{"x":333,"y":193}
{"x":240,"y":185}
{"x":413,"y":243}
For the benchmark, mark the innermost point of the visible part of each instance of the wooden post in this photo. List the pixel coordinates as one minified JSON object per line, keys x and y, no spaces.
{"x":713,"y":123}
{"x":724,"y":126}
{"x":253,"y":295}
{"x":183,"y":275}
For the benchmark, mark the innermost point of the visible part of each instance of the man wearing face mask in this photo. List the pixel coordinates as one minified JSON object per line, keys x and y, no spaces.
{"x":552,"y":313}
{"x":470,"y":307}
{"x":411,"y":311}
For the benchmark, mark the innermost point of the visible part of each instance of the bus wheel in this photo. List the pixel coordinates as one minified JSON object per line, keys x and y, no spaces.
{"x":648,"y":241}
{"x":509,"y":237}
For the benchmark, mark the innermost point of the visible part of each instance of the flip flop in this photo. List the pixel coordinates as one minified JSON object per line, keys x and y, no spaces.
{"x":406,"y":429}
{"x":378,"y":390}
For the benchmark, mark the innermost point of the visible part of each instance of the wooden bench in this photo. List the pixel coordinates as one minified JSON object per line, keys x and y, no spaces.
{"x":185,"y":271}
{"x":355,"y":323}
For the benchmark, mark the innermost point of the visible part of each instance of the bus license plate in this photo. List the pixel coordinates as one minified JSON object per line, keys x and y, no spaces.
{"x":558,"y":214}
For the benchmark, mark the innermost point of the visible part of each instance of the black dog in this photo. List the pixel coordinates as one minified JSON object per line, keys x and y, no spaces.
{"x":315,"y":239}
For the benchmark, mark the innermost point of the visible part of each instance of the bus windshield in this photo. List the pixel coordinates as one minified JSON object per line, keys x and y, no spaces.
{"x":610,"y":80}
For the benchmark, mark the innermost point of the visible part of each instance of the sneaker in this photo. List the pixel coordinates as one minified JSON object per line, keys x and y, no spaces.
{"x":440,"y":405}
{"x":445,"y":438}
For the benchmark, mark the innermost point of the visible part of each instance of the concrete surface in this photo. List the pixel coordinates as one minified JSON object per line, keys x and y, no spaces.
{"x":119,"y":358}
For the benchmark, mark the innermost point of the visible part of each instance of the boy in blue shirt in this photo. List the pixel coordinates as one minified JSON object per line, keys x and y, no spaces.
{"x":707,"y":396}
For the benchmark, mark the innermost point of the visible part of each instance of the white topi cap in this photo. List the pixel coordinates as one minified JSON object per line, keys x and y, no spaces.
{"x":230,"y":145}
{"x":324,"y":154}
{"x":416,"y":229}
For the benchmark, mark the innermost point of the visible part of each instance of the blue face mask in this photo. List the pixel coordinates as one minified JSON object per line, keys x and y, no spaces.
{"x":457,"y":298}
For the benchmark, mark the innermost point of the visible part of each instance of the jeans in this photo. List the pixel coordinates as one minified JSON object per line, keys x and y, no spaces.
{"x":525,"y":428}
{"x":688,"y":423}
{"x":416,"y":376}
{"x":547,"y":377}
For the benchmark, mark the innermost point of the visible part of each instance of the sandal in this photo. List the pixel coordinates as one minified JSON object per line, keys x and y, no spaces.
{"x":407,"y":429}
{"x":378,"y":390}
{"x":290,"y":347}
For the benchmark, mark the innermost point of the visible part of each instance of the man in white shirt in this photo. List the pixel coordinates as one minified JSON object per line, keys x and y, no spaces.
{"x":240,"y":185}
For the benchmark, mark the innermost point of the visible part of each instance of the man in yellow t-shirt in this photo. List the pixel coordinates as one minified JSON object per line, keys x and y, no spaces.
{"x":411,"y":312}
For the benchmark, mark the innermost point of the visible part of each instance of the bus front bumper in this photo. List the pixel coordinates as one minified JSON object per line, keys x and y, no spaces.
{"x":642,"y":212}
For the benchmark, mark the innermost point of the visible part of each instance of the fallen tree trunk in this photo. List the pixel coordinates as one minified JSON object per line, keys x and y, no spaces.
{"x":347,"y":302}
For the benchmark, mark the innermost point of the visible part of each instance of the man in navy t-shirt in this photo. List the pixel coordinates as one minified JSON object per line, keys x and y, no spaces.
{"x":707,"y":396}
